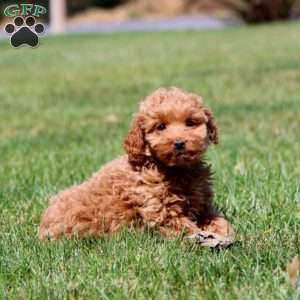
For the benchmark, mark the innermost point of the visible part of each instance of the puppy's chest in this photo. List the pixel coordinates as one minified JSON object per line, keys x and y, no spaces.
{"x":156,"y":188}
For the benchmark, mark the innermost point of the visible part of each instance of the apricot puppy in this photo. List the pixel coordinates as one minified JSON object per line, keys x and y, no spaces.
{"x":162,"y":182}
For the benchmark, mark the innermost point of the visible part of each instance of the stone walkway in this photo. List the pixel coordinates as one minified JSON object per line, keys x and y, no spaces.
{"x":178,"y":23}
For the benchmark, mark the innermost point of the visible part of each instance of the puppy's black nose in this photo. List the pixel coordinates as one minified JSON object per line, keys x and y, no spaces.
{"x":179,"y":145}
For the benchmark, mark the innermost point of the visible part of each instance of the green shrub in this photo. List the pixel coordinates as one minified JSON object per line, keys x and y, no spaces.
{"x":257,"y":11}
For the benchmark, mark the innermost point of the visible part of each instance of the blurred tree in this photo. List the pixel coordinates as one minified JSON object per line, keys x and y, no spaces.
{"x":257,"y":11}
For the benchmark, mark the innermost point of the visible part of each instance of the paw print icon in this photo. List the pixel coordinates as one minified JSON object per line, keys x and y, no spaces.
{"x":24,"y":31}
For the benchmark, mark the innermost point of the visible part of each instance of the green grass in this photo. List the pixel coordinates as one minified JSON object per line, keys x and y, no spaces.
{"x":55,"y":131}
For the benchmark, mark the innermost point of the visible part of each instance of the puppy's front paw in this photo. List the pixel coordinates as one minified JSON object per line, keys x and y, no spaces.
{"x":211,"y":239}
{"x":220,"y":226}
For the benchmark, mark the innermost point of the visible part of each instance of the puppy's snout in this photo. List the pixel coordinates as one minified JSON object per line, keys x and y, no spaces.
{"x":179,"y":145}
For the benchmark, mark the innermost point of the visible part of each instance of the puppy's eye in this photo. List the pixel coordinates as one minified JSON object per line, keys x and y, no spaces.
{"x":190,"y":123}
{"x":161,"y":126}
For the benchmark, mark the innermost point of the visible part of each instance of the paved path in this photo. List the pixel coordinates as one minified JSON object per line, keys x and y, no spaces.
{"x":178,"y":23}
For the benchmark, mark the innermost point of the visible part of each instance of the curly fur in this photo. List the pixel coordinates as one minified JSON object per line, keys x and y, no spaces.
{"x":154,"y":185}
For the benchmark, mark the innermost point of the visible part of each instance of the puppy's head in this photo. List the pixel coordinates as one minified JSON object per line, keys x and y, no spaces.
{"x":173,"y":127}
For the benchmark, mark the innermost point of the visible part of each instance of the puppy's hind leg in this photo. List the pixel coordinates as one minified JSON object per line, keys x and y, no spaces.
{"x":70,"y":220}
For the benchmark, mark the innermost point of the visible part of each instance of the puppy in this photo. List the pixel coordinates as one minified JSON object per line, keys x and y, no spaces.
{"x":162,"y":182}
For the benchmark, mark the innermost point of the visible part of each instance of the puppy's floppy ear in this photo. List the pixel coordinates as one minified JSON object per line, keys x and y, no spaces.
{"x":134,"y":143}
{"x":211,"y":126}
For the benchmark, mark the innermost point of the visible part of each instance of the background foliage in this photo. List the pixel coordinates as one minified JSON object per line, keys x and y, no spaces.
{"x":65,"y":109}
{"x":251,"y":11}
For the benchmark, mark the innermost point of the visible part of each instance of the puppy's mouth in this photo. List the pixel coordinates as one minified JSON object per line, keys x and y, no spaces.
{"x":181,"y":158}
{"x":186,"y":155}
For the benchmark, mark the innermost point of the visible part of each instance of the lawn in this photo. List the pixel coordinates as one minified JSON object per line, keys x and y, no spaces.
{"x":64,"y":110}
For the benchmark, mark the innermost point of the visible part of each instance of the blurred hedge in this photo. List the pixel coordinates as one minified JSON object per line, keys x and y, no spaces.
{"x":258,"y":11}
{"x":76,"y":5}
